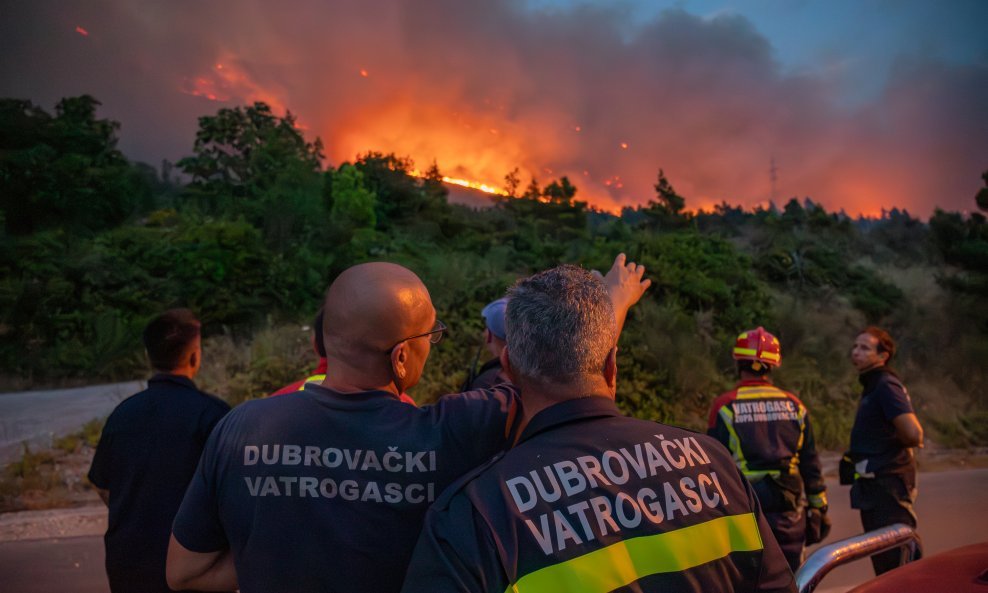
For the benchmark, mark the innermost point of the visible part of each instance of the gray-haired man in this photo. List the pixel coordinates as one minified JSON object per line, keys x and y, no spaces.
{"x":589,"y":499}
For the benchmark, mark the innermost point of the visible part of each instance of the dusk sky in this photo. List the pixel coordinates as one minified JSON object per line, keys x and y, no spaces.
{"x":862,"y":104}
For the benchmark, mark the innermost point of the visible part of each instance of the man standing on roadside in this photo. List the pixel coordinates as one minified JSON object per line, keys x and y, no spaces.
{"x":880,"y":463}
{"x":148,"y":451}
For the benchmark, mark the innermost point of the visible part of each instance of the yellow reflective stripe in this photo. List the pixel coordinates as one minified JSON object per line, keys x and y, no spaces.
{"x":746,"y":351}
{"x":760,"y":392}
{"x":625,"y":562}
{"x":770,"y":356}
{"x":312,"y":379}
{"x":817,"y":501}
{"x":733,"y":442}
{"x":760,"y":473}
{"x":794,"y":460}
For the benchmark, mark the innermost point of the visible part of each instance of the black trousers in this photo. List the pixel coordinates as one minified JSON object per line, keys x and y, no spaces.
{"x":789,"y":529}
{"x":883,"y":501}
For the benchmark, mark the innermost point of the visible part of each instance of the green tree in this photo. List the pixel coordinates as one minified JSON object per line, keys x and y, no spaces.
{"x":64,"y":171}
{"x":511,"y":182}
{"x":560,"y":192}
{"x":963,"y":244}
{"x":250,"y":162}
{"x":434,"y":190}
{"x":353,"y":203}
{"x":666,"y":210}
{"x":981,"y":198}
{"x":532,"y":191}
{"x":401,"y":198}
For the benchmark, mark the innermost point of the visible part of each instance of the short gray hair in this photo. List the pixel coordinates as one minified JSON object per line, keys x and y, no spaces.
{"x":560,"y":325}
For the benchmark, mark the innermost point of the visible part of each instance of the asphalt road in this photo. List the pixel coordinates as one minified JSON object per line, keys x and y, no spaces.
{"x":951,"y":510}
{"x":951,"y":513}
{"x":73,"y":564}
{"x":39,"y":417}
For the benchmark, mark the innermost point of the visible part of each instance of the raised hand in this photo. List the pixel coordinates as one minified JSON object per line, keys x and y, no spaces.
{"x":625,"y":285}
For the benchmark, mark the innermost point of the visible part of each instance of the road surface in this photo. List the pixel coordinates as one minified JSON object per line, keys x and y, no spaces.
{"x":950,"y":506}
{"x":67,"y":565}
{"x":951,"y":510}
{"x":39,"y":417}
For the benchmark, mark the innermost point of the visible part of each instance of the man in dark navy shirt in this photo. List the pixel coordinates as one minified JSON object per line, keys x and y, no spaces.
{"x":148,"y":452}
{"x":326,"y":490}
{"x":884,"y":434}
{"x":591,"y":500}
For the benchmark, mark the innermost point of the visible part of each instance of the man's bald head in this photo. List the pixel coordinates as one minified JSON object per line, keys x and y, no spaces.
{"x":370,"y":307}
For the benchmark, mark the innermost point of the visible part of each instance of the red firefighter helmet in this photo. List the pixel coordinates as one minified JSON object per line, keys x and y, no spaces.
{"x":758,"y":345}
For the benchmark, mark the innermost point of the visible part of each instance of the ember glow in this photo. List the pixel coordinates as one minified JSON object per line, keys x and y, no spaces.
{"x":227,"y":82}
{"x":82,"y":31}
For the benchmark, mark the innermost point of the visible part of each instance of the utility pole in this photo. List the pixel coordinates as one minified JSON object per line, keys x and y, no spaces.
{"x":773,"y":176}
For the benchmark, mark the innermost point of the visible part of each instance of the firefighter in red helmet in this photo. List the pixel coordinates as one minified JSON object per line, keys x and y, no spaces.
{"x":768,"y":432}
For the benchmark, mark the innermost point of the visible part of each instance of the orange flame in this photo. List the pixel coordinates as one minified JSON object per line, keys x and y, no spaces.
{"x":490,"y":189}
{"x":477,"y":142}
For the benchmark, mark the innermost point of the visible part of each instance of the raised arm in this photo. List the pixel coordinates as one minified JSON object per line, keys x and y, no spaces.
{"x":626,"y":287}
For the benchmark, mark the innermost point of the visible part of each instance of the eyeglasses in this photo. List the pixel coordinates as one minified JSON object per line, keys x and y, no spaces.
{"x":435,"y":335}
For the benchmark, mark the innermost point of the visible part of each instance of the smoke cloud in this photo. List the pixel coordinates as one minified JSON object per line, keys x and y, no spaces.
{"x":483,"y":87}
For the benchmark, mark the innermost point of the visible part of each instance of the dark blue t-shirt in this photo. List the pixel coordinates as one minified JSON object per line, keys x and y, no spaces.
{"x":146,"y":457}
{"x":873,"y":435}
{"x":326,"y":491}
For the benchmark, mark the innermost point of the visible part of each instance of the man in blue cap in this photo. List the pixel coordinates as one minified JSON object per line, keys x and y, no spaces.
{"x":490,"y":373}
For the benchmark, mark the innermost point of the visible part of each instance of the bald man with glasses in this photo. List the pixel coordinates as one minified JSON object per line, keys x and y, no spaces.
{"x":327,"y":490}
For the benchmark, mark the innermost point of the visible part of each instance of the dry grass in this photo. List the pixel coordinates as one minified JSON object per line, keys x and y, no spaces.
{"x":52,"y":478}
{"x":239,"y":370}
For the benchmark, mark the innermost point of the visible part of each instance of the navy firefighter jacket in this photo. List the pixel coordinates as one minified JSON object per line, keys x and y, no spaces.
{"x":593,"y":501}
{"x":768,"y":432}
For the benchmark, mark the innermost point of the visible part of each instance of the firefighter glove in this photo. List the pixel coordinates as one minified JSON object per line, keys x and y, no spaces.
{"x":817,"y":526}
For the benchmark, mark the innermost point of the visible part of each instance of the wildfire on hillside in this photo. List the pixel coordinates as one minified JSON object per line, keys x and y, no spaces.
{"x":472,"y":145}
{"x":608,"y":125}
{"x":484,"y":187}
{"x":485,"y":88}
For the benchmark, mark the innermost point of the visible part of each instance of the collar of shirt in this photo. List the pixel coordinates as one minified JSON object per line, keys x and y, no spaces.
{"x":572,"y":410}
{"x":170,"y":378}
{"x":490,"y":364}
{"x":356,"y":399}
{"x":871,"y":377}
{"x":321,"y":368}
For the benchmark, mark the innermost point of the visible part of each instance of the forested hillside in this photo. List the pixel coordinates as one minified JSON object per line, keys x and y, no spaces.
{"x":252,"y":226}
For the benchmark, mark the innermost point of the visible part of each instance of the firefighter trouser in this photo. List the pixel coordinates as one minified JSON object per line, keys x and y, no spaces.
{"x":883,"y":501}
{"x":789,"y":528}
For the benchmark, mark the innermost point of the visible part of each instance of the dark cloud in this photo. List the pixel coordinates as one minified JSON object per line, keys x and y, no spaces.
{"x":483,"y":87}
